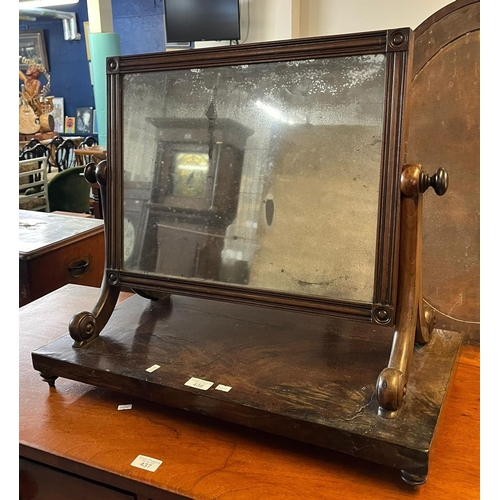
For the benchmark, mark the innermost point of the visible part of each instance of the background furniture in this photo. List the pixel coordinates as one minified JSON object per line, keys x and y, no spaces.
{"x":37,"y":150}
{"x":90,"y":157}
{"x":87,"y":154}
{"x":33,"y":185}
{"x":53,"y":145}
{"x":68,"y":191}
{"x":58,"y":249}
{"x":88,"y":143}
{"x":75,"y":432}
{"x":46,"y":142}
{"x":444,"y":103}
{"x":64,"y":156}
{"x":31,"y":143}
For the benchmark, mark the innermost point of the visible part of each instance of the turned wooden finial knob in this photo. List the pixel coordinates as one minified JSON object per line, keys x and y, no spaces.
{"x":439,"y":181}
{"x":89,"y":172}
{"x":101,"y":173}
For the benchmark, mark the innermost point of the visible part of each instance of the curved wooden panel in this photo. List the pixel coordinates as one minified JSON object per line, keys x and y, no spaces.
{"x":444,"y":132}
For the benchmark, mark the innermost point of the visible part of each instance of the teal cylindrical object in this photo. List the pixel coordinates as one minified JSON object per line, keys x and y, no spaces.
{"x":102,"y":45}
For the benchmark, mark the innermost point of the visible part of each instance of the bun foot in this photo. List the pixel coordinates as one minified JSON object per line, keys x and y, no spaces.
{"x":50,"y":379}
{"x":413,"y":479}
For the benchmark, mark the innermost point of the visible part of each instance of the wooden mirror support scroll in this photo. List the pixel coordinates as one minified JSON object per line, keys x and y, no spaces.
{"x":258,"y":200}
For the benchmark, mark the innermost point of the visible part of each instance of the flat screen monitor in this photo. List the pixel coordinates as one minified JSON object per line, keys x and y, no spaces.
{"x":198,"y":20}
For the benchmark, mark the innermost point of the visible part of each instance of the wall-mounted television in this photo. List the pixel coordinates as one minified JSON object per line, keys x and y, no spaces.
{"x":201,"y":20}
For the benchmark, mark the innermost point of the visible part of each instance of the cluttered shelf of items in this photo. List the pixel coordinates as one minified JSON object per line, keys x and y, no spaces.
{"x":51,"y":164}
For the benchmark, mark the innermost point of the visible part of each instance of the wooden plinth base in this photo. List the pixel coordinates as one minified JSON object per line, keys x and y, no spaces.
{"x":300,"y":376}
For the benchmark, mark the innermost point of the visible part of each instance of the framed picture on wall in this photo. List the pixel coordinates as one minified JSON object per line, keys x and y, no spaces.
{"x":32,"y":46}
{"x":58,"y":114}
{"x":84,"y":120}
{"x":69,"y":125}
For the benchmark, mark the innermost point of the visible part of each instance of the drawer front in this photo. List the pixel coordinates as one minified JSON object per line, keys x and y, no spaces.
{"x":38,"y":482}
{"x":80,"y":262}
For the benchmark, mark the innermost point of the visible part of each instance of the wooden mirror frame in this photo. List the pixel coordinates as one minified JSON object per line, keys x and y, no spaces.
{"x":397,"y":297}
{"x":394,"y":44}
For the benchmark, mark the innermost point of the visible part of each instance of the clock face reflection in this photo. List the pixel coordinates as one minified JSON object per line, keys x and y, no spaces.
{"x":190,"y":174}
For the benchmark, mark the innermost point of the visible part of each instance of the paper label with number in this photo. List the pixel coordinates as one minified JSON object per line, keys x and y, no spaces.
{"x":146,"y":463}
{"x":198,"y":383}
{"x":224,"y":388}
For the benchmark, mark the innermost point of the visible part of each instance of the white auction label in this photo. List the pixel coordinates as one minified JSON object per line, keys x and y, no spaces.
{"x":152,"y":368}
{"x":225,"y":388}
{"x":146,"y":463}
{"x":125,"y":407}
{"x":198,"y":383}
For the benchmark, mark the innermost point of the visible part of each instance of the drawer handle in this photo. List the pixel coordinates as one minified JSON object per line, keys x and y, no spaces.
{"x":78,"y":268}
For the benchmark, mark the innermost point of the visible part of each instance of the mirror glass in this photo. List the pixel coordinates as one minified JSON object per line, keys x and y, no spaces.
{"x":262,"y":175}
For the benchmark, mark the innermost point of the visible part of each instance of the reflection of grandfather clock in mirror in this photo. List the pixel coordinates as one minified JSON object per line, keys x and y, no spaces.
{"x":194,"y":196}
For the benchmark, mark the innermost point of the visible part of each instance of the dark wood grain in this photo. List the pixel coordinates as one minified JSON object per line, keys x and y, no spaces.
{"x":279,"y":50}
{"x":76,"y":428}
{"x":307,"y":378}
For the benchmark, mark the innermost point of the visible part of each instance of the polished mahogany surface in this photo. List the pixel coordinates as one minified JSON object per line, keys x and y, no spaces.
{"x":77,"y":428}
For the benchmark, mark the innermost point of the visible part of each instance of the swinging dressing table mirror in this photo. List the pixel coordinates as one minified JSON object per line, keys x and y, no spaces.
{"x":258,"y":200}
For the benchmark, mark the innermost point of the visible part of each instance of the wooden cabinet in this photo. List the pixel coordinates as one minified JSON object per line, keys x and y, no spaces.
{"x":58,"y":249}
{"x":38,"y":482}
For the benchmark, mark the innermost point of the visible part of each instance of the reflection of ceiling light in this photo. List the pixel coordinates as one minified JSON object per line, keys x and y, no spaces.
{"x":36,"y":4}
{"x":273,"y":112}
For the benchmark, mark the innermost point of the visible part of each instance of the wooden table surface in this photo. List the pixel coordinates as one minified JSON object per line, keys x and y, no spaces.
{"x":77,"y":428}
{"x":98,"y":151}
{"x":40,"y":232}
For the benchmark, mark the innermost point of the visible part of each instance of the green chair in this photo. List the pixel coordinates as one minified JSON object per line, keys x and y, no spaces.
{"x":68,"y":191}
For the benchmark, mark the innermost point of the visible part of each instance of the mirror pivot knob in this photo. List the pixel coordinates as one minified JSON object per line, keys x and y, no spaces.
{"x":439,"y":181}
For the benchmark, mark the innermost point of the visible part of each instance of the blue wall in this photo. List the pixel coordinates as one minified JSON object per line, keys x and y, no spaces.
{"x":139,"y":24}
{"x":68,"y":64}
